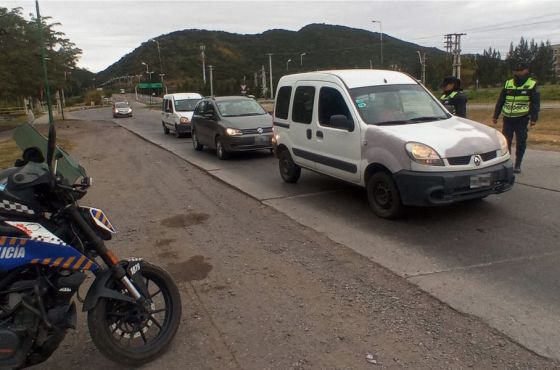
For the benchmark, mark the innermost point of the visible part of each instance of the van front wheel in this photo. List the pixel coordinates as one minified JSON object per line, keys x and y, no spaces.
{"x":383,"y":196}
{"x":289,"y":171}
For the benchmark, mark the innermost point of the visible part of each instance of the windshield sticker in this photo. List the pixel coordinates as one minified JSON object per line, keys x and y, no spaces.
{"x":360,"y":103}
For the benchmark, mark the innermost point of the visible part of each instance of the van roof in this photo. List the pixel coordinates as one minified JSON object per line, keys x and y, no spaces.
{"x":353,"y":77}
{"x":180,"y":96}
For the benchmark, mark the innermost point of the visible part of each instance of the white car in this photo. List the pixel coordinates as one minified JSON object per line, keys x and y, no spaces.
{"x":384,"y":131}
{"x":177,"y":111}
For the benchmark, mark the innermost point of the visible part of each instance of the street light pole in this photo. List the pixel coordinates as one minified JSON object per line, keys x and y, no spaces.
{"x":287,"y":64}
{"x":44,"y":62}
{"x":211,"y":68}
{"x":301,"y":58}
{"x":270,"y":67}
{"x":380,"y":38}
{"x":136,"y":87}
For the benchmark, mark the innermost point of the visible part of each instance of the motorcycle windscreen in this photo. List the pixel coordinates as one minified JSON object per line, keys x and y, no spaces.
{"x":26,"y":136}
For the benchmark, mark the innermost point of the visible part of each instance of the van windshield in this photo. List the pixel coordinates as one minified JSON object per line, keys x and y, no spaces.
{"x":185,"y":105}
{"x":396,"y":105}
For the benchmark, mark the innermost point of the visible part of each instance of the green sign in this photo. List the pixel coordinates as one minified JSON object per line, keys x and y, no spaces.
{"x":150,"y":85}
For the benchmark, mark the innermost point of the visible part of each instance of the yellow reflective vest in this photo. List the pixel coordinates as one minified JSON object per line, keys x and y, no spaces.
{"x":517,"y":98}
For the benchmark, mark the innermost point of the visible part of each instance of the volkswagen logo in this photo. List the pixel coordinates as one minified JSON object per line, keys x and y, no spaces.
{"x":259,"y":130}
{"x":477,"y":160}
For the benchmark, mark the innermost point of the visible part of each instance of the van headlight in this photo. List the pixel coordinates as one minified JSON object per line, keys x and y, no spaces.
{"x":233,"y":132}
{"x":423,"y":154}
{"x":184,"y":120}
{"x":503,"y":144}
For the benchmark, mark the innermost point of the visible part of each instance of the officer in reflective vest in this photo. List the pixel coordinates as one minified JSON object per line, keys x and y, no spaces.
{"x":519,"y":103}
{"x":453,"y":97}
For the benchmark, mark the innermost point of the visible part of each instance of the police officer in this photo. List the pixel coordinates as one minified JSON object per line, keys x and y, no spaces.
{"x":453,"y":97}
{"x":519,"y":103}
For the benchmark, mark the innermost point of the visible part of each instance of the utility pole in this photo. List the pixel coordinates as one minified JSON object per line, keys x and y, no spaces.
{"x":270,"y":78}
{"x":263,"y":74}
{"x":203,"y":55}
{"x":161,"y":74}
{"x":452,"y":43}
{"x":211,"y":68}
{"x":380,"y":39}
{"x":422,"y":58}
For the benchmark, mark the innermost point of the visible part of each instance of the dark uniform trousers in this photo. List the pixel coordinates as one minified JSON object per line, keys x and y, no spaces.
{"x":519,"y":127}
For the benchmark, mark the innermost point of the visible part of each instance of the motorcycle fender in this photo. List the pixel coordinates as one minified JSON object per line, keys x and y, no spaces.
{"x":99,"y":288}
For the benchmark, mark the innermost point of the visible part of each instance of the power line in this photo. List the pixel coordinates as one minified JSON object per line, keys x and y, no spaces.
{"x":500,"y":26}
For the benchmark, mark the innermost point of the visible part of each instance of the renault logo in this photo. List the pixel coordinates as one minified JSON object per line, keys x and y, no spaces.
{"x":259,"y":130}
{"x":477,"y":160}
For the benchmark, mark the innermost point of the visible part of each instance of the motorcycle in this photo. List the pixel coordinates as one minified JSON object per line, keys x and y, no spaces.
{"x":48,"y":242}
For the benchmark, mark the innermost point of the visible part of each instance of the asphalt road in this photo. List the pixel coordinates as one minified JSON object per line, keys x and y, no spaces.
{"x":497,"y":259}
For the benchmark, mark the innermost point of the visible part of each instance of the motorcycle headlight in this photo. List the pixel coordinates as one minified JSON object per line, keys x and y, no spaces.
{"x":184,"y":120}
{"x":503,"y":144}
{"x":233,"y":132}
{"x":423,"y":154}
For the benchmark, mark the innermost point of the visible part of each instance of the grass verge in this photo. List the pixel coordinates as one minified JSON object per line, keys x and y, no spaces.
{"x":545,"y":135}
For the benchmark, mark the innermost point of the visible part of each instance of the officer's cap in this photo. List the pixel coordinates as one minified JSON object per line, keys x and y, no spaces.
{"x":450,"y":80}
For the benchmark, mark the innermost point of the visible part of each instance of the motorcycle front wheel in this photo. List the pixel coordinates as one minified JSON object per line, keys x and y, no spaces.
{"x":125,"y":333}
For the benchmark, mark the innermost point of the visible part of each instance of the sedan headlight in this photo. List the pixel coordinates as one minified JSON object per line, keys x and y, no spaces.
{"x":184,"y":120}
{"x":503,"y":143}
{"x":423,"y":154}
{"x":233,"y":132}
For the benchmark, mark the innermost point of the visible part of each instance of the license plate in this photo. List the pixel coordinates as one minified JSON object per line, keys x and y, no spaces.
{"x":481,"y":181}
{"x":262,"y":140}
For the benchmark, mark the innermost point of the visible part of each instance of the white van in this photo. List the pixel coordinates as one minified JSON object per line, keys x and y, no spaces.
{"x":177,"y":111}
{"x":384,"y":131}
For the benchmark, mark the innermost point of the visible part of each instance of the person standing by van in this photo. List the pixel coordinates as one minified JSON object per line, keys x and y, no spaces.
{"x":519,"y":103}
{"x":453,"y":97}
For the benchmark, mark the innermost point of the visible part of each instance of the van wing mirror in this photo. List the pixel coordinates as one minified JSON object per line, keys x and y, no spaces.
{"x":342,"y":122}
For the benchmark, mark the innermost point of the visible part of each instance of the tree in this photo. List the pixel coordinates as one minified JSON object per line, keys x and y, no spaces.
{"x":20,"y":50}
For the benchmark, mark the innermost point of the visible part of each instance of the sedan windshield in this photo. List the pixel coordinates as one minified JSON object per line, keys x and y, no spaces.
{"x":238,"y":108}
{"x":185,"y":105}
{"x":121,"y":105}
{"x":396,"y":105}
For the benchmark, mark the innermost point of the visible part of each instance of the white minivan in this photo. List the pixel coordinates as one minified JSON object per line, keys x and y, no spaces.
{"x":384,"y":131}
{"x":177,"y":111}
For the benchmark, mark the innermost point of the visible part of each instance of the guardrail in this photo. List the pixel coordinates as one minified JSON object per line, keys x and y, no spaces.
{"x":8,"y":113}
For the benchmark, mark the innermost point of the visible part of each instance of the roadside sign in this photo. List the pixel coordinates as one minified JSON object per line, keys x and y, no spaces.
{"x":150,"y":85}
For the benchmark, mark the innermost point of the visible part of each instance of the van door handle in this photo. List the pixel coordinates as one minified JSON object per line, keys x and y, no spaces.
{"x":309,"y":134}
{"x":319,"y":134}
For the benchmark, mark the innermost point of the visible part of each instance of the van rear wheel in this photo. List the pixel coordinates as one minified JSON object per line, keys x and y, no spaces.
{"x":383,"y":196}
{"x":289,"y":171}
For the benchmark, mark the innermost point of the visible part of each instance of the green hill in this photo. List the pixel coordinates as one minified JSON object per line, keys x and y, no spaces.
{"x":235,"y":56}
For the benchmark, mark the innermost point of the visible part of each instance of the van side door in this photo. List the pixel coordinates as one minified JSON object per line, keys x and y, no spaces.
{"x":301,"y":126}
{"x":337,"y":137}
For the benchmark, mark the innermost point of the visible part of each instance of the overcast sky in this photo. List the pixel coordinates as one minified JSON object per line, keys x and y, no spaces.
{"x":106,"y":30}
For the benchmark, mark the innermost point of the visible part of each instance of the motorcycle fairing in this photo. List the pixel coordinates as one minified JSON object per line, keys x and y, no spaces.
{"x":41,"y":248}
{"x":101,"y":219}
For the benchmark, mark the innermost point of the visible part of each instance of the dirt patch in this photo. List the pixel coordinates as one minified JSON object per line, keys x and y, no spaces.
{"x":182,"y":221}
{"x":193,"y":269}
{"x":164,"y":242}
